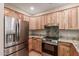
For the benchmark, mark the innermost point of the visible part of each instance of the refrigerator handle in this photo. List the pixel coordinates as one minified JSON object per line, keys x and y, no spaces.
{"x":17,"y":32}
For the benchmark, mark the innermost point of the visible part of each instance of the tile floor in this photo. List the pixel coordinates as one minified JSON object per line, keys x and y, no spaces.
{"x":33,"y":53}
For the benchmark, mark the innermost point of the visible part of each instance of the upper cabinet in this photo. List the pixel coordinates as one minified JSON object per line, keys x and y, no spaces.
{"x":38,"y":22}
{"x":78,"y":16}
{"x":60,"y":19}
{"x":13,"y":13}
{"x":9,"y":12}
{"x":32,"y":23}
{"x":54,"y":18}
{"x":72,"y":18}
{"x":26,"y":18}
{"x":66,"y":19}
{"x":49,"y":18}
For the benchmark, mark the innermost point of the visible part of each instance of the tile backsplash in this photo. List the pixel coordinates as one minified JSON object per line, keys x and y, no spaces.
{"x":69,"y":33}
{"x":37,"y":32}
{"x":62,"y":33}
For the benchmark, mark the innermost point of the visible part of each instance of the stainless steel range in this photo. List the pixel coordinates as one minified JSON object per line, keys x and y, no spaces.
{"x":52,"y":33}
{"x":50,"y":41}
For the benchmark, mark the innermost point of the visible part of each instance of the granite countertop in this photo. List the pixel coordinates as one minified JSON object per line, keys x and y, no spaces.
{"x":69,"y":40}
{"x":39,"y":37}
{"x":74,"y":42}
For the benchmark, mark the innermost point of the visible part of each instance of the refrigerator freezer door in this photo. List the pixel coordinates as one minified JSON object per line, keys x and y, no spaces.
{"x":24,"y":33}
{"x":10,"y":30}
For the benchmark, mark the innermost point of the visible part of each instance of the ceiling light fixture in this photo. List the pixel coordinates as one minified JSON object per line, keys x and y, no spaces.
{"x":32,"y":8}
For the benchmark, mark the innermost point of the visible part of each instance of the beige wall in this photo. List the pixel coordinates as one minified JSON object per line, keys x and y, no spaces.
{"x":1,"y":29}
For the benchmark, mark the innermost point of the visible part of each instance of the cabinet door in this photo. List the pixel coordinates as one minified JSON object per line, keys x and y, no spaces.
{"x":65,"y":19}
{"x":32,"y":23}
{"x":30,"y":44}
{"x":60,"y":19}
{"x":74,"y":52}
{"x":46,"y":20}
{"x":9,"y":12}
{"x":26,"y":18}
{"x":37,"y":23}
{"x":72,"y":18}
{"x":39,"y":47}
{"x":34,"y":44}
{"x":54,"y":18}
{"x":42,"y":22}
{"x":67,"y":51}
{"x":60,"y":50}
{"x":78,"y":17}
{"x":39,"y":20}
{"x":64,"y":50}
{"x":49,"y":17}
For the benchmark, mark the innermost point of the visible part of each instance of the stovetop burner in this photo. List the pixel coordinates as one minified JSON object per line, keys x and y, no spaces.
{"x":53,"y":42}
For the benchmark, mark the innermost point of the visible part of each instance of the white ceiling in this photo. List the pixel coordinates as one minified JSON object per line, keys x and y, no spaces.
{"x":39,"y":7}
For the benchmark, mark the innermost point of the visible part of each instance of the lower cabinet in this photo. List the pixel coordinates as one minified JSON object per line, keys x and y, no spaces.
{"x":66,"y":49}
{"x":30,"y":44}
{"x":74,"y":53}
{"x":35,"y":44}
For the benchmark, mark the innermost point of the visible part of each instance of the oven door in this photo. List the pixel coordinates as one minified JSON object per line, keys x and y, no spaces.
{"x":50,"y":49}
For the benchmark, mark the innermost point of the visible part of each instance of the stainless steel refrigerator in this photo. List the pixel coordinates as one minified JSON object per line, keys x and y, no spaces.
{"x":16,"y":37}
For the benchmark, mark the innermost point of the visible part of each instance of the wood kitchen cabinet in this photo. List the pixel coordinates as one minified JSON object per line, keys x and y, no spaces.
{"x":67,"y":19}
{"x":35,"y":23}
{"x":78,"y":16}
{"x":72,"y":18}
{"x":45,"y":20}
{"x":60,"y":20}
{"x":35,"y":44}
{"x":49,"y":18}
{"x":26,"y":18}
{"x":39,"y":22}
{"x":16,"y":14}
{"x":9,"y":12}
{"x":32,"y":23}
{"x":39,"y":45}
{"x":54,"y":18}
{"x":74,"y":51}
{"x":42,"y":21}
{"x":66,"y":49}
{"x":30,"y":44}
{"x":20,"y":16}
